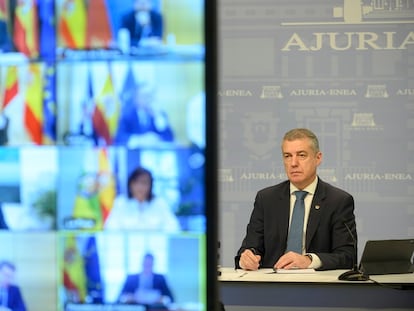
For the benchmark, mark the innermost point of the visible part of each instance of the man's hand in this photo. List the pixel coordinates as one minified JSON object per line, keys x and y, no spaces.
{"x":249,"y":261}
{"x":292,"y":260}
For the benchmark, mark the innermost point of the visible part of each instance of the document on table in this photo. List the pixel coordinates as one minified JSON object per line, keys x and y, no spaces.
{"x":294,"y":271}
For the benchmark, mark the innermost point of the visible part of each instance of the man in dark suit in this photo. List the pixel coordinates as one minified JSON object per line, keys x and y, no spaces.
{"x":10,"y":296}
{"x":141,"y":124}
{"x":143,"y":23}
{"x":327,"y":244}
{"x":146,"y":288}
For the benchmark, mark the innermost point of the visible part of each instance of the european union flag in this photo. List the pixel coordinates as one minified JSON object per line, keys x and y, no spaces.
{"x":47,"y":29}
{"x":93,"y":272}
{"x":128,"y":89}
{"x":49,"y":104}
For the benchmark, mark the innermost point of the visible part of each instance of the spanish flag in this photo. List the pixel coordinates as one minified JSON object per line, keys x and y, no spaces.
{"x":72,"y":24}
{"x":26,"y":26}
{"x":107,"y":183}
{"x":106,"y":113}
{"x":33,"y":108}
{"x":74,"y":278}
{"x":11,"y":86}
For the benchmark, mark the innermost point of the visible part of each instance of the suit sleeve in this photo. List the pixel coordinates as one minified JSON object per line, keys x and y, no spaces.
{"x":164,"y":288}
{"x":254,"y":232}
{"x":16,"y":300}
{"x":342,"y":249}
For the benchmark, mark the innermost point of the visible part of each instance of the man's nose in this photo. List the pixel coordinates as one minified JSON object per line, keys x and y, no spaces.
{"x":294,"y":161}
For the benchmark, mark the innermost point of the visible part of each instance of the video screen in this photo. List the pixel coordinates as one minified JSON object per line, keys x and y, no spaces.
{"x":103,"y":155}
{"x":102,"y":271}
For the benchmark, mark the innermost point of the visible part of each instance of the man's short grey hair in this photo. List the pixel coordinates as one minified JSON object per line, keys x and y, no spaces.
{"x":301,"y":133}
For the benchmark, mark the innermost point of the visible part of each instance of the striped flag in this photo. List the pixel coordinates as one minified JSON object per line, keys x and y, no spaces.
{"x":107,"y":184}
{"x":33,"y":105}
{"x":11,"y":86}
{"x":72,"y":24}
{"x":74,"y":278}
{"x":106,"y":113}
{"x":25,"y":34}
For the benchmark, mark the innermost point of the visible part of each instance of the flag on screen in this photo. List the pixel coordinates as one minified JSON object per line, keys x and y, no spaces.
{"x":72,"y":24}
{"x":26,"y":27}
{"x":106,"y":113}
{"x":98,"y":118}
{"x":94,"y":286}
{"x":107,"y":184}
{"x":87,"y":205}
{"x":49,"y":105}
{"x":3,"y":10}
{"x":47,"y":29}
{"x":11,"y":88}
{"x":74,"y":278}
{"x":99,"y":32}
{"x":33,"y":105}
{"x":128,"y":89}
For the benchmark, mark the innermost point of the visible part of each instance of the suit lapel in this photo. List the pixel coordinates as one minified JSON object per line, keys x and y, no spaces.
{"x":284,"y":214}
{"x":315,"y":212}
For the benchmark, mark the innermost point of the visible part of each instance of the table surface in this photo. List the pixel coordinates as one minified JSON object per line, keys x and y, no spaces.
{"x":318,"y":289}
{"x":329,"y":276}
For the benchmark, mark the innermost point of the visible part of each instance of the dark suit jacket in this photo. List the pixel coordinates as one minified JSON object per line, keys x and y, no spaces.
{"x":132,"y":283}
{"x":3,"y":224}
{"x":5,"y":41}
{"x":326,"y":234}
{"x":15,"y":299}
{"x":135,"y":30}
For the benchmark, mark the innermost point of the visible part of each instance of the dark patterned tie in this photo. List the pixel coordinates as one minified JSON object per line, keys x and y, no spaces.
{"x":295,"y":236}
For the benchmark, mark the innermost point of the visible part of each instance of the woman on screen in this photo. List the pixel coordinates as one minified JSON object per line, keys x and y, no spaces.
{"x":141,"y":210}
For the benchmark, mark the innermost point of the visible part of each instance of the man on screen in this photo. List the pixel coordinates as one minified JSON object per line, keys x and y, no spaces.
{"x":10,"y":296}
{"x":141,"y":124}
{"x":146,"y":288}
{"x":323,"y":240}
{"x":144,"y":24}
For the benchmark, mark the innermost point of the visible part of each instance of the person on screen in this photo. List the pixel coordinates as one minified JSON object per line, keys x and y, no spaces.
{"x":142,"y":210}
{"x":328,"y":211}
{"x":144,"y":24}
{"x":11,"y":298}
{"x":140,"y":124}
{"x":4,"y":128}
{"x":3,"y":224}
{"x":147,"y":287}
{"x":6,"y":44}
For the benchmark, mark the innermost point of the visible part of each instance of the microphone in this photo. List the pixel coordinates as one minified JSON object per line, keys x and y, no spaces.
{"x":355,"y":274}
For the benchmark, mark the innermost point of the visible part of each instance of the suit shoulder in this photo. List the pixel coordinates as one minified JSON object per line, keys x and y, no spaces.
{"x":274,"y":188}
{"x":335,"y":190}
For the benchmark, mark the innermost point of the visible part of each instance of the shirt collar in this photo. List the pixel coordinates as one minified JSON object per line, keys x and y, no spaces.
{"x":310,"y":188}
